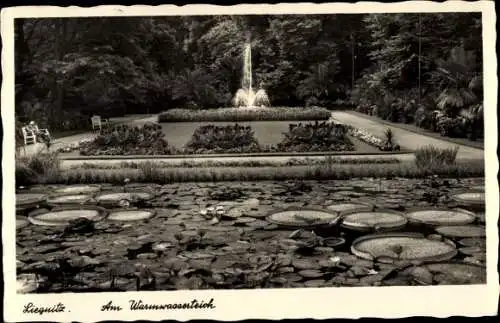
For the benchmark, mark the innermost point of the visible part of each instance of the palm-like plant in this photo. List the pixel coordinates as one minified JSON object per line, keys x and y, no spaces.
{"x":462,"y":86}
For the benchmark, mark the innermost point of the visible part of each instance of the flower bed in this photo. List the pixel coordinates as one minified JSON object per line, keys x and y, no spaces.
{"x":222,"y":139}
{"x":127,"y":140}
{"x":245,"y":114}
{"x":318,"y":136}
{"x":365,"y":136}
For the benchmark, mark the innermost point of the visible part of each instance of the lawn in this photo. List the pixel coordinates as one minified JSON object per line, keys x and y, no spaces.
{"x":266,"y":133}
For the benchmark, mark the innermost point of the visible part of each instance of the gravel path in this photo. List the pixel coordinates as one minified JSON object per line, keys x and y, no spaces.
{"x":405,"y":138}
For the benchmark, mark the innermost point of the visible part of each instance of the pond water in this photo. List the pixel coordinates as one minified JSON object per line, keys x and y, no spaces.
{"x":220,"y":235}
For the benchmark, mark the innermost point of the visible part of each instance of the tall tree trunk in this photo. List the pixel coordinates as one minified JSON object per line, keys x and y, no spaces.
{"x":60,"y":51}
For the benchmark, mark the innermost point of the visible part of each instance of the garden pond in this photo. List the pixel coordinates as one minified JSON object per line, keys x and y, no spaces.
{"x":362,"y":232}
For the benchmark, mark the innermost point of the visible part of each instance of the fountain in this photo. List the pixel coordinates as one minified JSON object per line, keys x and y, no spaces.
{"x":246,"y":97}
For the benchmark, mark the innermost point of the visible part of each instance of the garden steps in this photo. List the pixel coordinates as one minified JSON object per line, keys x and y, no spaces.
{"x":406,"y":139}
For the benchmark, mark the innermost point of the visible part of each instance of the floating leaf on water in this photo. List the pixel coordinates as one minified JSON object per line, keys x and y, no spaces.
{"x":302,"y":217}
{"x":441,"y":217}
{"x":78,"y":189}
{"x":472,"y":198}
{"x":459,"y":273}
{"x":305,"y":264}
{"x":64,"y":215}
{"x":471,"y":251}
{"x":21,"y":223}
{"x":402,"y":246}
{"x":462,"y":231}
{"x":131,"y":215}
{"x":366,"y":221}
{"x":349,"y":207}
{"x":27,"y":283}
{"x":28,"y":200}
{"x":422,"y":275}
{"x":473,"y":242}
{"x":69,"y":199}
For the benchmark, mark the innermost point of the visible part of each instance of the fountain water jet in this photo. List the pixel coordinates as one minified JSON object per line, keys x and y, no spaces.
{"x":246,"y":97}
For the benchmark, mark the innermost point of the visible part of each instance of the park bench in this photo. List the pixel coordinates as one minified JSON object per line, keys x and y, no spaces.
{"x":98,"y":122}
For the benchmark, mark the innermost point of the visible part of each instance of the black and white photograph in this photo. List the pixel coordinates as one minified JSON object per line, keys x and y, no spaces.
{"x":229,"y":151}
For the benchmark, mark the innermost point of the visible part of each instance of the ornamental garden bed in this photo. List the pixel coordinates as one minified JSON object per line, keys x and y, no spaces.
{"x":245,"y":114}
{"x":228,"y":138}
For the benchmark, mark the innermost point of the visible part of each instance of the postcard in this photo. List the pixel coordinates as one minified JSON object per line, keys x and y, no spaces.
{"x":250,"y":161}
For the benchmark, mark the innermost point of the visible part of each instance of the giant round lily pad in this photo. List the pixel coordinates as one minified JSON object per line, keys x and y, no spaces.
{"x":367,"y":220}
{"x":402,"y":246}
{"x":77,"y":189}
{"x":302,"y":217}
{"x":69,"y":199}
{"x":27,"y":283}
{"x":441,"y":217}
{"x":21,"y":223}
{"x":458,"y":273}
{"x":131,"y":215}
{"x":29,"y":200}
{"x":349,"y":207}
{"x":62,"y":216}
{"x":470,"y":198}
{"x":462,"y":231}
{"x":115,"y":198}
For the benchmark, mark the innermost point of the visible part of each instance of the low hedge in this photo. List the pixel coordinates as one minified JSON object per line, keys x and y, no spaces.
{"x":245,"y":114}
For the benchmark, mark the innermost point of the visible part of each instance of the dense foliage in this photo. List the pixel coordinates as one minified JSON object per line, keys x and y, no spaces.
{"x":222,"y":139}
{"x":243,"y":114}
{"x":403,"y":66}
{"x":318,"y":136}
{"x":128,"y":140}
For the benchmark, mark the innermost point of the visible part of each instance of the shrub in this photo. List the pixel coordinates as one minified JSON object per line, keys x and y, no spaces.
{"x":245,"y":114}
{"x":39,"y":168}
{"x":324,"y":136}
{"x":452,"y":127}
{"x":222,"y":139}
{"x":128,"y":140}
{"x":431,"y":157}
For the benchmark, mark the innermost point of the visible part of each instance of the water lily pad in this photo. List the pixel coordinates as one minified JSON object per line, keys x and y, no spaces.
{"x":311,"y":273}
{"x":131,"y":215}
{"x":459,"y":273}
{"x":303,"y":264}
{"x":21,"y":223}
{"x":349,"y":207}
{"x":115,"y":198}
{"x":470,"y":198}
{"x":334,"y":242}
{"x":402,"y":246}
{"x":441,"y":217}
{"x":473,"y":242}
{"x":302,"y":217}
{"x":367,"y":221}
{"x":27,"y":283}
{"x":462,"y":231}
{"x":471,"y":251}
{"x":64,"y":215}
{"x":69,"y":199}
{"x":29,"y":200}
{"x":77,"y":189}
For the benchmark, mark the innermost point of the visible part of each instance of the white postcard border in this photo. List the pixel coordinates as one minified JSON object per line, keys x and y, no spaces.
{"x":321,"y":303}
